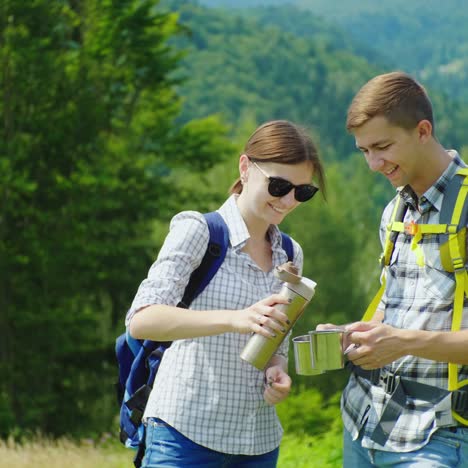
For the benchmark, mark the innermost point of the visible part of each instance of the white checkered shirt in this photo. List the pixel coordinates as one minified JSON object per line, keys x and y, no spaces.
{"x":203,"y":388}
{"x":418,"y":298}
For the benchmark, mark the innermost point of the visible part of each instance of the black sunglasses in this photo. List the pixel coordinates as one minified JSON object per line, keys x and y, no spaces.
{"x":279,"y":187}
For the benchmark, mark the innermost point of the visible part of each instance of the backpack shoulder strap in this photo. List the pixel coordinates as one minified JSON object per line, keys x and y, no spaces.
{"x":454,"y":207}
{"x":287,"y":245}
{"x":398,"y":215}
{"x":454,"y":213}
{"x":212,"y":260}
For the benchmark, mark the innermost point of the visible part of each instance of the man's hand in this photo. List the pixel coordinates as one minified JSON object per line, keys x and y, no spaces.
{"x":373,"y":345}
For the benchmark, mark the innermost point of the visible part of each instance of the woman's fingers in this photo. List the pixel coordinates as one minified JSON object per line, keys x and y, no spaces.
{"x":272,"y":319}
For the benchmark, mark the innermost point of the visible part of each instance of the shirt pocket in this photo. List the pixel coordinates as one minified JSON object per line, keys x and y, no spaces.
{"x":438,"y":282}
{"x":402,"y":274}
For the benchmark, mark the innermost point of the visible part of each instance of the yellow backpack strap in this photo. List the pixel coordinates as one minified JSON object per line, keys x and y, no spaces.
{"x":461,"y":281}
{"x":398,"y":213}
{"x":397,"y":217}
{"x":372,"y":307}
{"x":417,"y":231}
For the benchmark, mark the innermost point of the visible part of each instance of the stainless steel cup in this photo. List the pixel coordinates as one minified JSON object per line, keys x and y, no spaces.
{"x":326,"y":349}
{"x":259,"y":349}
{"x":319,"y":351}
{"x":303,"y":356}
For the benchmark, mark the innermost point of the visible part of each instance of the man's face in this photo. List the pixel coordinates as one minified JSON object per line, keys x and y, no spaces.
{"x":391,"y":150}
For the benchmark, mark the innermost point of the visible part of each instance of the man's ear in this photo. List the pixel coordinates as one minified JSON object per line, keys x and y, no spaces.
{"x":424,"y":129}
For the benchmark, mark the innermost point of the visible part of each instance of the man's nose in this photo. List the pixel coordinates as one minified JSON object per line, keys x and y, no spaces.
{"x":374,"y":161}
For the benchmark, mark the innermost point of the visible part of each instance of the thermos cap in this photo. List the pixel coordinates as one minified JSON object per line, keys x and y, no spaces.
{"x":305,"y":288}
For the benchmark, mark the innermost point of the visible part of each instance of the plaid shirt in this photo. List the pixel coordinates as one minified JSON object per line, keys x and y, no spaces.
{"x":203,"y":388}
{"x":418,"y":298}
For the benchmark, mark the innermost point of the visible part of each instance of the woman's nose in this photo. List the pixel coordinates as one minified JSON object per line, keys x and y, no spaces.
{"x":288,"y":200}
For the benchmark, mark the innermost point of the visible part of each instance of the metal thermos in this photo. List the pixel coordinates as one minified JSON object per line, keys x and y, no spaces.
{"x":259,"y":349}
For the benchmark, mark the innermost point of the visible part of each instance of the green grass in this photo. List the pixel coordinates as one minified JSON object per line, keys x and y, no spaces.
{"x":41,"y":452}
{"x":310,"y":452}
{"x":312,"y":440}
{"x":313,"y":431}
{"x":296,"y":452}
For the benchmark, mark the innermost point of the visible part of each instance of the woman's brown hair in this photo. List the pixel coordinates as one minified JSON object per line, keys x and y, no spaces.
{"x":283,"y":142}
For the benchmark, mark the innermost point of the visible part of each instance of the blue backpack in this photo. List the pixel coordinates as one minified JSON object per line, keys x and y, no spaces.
{"x":139,"y":360}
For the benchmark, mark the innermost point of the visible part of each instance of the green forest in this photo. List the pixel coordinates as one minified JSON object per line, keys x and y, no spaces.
{"x":115,"y":115}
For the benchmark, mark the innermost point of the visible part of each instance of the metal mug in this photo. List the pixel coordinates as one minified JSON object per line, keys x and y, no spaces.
{"x":326,"y":349}
{"x":319,"y":351}
{"x":303,"y":356}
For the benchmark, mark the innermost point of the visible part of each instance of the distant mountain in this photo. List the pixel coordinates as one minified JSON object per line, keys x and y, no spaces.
{"x":243,"y":3}
{"x":427,"y":38}
{"x":247,"y":69}
{"x":283,"y":62}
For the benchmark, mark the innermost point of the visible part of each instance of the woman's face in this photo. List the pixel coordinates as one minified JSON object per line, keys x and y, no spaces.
{"x":255,"y":197}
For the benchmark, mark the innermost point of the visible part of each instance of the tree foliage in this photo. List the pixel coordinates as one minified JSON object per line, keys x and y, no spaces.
{"x":114,"y":116}
{"x":88,"y":146}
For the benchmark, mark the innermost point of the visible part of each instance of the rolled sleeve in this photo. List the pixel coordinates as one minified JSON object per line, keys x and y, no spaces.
{"x":181,"y":253}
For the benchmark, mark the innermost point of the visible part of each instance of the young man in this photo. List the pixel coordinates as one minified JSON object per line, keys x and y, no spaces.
{"x":400,"y":414}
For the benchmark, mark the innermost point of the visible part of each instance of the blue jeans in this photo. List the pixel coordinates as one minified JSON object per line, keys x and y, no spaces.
{"x":166,"y":447}
{"x":445,"y":449}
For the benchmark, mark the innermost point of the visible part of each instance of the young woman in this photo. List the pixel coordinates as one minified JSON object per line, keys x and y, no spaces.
{"x":208,"y":408}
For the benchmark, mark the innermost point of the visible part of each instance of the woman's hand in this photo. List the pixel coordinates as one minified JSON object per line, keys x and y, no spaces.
{"x":277,"y":385}
{"x":262,"y":317}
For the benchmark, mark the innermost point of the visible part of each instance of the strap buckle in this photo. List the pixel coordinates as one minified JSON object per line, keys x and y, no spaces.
{"x":460,"y":402}
{"x":382,"y":259}
{"x":458,"y":264}
{"x":411,"y":228}
{"x":452,"y":228}
{"x":388,"y":381}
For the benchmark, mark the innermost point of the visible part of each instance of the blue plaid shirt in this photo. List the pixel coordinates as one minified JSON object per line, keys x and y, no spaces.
{"x":418,"y":298}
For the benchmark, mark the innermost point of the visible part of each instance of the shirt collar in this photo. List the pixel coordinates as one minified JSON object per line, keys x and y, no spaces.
{"x":238,"y":232}
{"x":433,"y":196}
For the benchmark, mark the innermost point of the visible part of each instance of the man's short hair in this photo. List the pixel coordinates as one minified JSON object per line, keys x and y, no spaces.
{"x":396,"y":96}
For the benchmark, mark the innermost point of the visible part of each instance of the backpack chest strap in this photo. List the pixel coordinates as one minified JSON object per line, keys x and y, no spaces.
{"x":417,"y":231}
